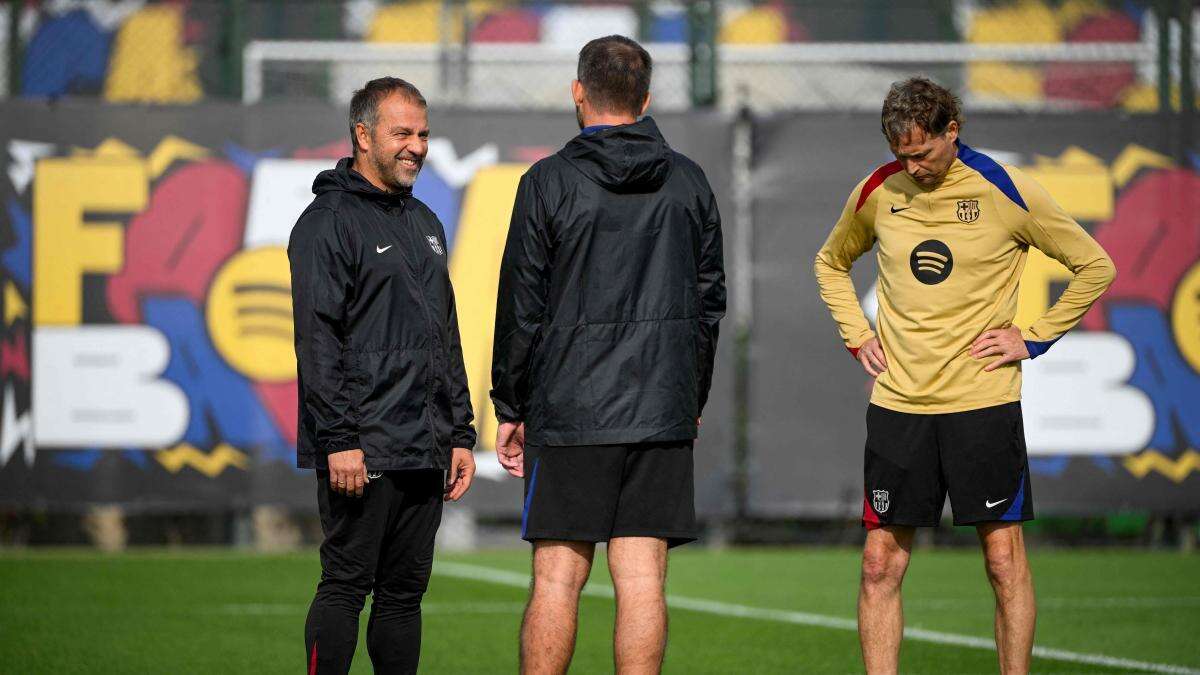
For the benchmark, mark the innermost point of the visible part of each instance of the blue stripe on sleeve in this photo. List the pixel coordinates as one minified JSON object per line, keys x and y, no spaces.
{"x":992,"y":171}
{"x":1036,"y":349}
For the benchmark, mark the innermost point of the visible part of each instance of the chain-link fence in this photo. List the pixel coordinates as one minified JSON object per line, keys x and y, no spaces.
{"x":773,"y":54}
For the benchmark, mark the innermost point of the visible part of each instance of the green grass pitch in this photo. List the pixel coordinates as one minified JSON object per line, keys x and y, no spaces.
{"x":225,"y":611}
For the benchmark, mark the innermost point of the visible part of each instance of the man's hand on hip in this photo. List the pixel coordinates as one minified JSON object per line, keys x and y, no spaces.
{"x":347,"y":472}
{"x":510,"y":447}
{"x":1006,"y":343}
{"x":870,"y":355}
{"x":462,"y":472}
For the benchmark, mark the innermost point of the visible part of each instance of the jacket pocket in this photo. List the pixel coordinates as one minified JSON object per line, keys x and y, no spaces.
{"x":559,"y":395}
{"x":642,"y":374}
{"x":394,"y":414}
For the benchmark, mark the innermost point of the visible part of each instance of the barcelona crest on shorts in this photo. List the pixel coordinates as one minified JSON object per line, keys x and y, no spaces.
{"x":880,"y":501}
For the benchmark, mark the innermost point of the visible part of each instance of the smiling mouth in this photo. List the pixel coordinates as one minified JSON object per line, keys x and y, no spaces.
{"x":409,"y":163}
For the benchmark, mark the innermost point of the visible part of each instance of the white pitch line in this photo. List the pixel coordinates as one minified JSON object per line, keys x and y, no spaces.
{"x":518,"y":580}
{"x":1072,"y":604}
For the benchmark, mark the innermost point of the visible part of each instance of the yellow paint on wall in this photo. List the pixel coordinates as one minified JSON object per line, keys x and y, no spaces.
{"x":421,"y":22}
{"x":211,"y":464}
{"x":1084,"y":192}
{"x":475,"y":272}
{"x":65,"y":247}
{"x":1134,"y":158}
{"x":1072,"y":156}
{"x":169,"y":150}
{"x":1022,"y":22}
{"x":111,"y":148}
{"x":1152,"y":461}
{"x":758,"y":26}
{"x":991,"y":80}
{"x":14,"y":304}
{"x":150,"y":63}
{"x":1143,"y":97}
{"x":249,"y":314}
{"x":1071,"y":13}
{"x":1185,"y":316}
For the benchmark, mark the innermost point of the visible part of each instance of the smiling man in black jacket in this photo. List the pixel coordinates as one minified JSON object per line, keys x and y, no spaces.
{"x":611,"y":289}
{"x":385,"y":416}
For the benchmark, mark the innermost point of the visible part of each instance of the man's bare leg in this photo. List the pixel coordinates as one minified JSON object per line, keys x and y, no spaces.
{"x":639,"y":572}
{"x":560,"y":569}
{"x":1016,"y":609}
{"x":880,"y":613}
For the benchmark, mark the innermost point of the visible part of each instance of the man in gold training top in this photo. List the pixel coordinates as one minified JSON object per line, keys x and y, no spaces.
{"x":953,"y":228}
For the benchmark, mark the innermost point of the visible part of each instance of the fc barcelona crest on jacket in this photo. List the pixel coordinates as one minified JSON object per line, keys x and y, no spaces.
{"x":435,"y":245}
{"x":968,"y":210}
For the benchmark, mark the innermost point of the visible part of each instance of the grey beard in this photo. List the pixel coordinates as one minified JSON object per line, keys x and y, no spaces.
{"x":395,"y":183}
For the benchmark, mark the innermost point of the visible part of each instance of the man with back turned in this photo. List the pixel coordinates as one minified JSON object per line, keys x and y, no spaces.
{"x":611,"y":289}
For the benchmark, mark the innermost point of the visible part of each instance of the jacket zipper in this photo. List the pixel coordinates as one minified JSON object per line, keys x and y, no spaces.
{"x":435,"y":342}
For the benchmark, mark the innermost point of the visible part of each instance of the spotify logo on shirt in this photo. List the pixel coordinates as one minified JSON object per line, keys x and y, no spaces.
{"x":931,"y":262}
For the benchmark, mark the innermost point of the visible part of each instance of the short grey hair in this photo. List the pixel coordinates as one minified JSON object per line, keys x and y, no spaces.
{"x":364,"y":105}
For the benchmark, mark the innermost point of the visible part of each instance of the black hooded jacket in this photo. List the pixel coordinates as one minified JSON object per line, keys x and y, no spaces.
{"x":611,"y":290}
{"x":377,"y":342}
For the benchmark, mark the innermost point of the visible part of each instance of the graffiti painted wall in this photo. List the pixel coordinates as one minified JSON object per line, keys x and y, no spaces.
{"x":124,"y":51}
{"x":147,"y":338}
{"x":1112,"y":412}
{"x":145,"y":348}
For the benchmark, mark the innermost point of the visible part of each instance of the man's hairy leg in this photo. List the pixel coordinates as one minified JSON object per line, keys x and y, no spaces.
{"x":560,"y":569}
{"x":880,"y":612}
{"x":639,"y":572}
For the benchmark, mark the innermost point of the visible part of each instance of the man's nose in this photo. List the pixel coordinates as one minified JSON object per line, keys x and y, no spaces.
{"x":417,"y":147}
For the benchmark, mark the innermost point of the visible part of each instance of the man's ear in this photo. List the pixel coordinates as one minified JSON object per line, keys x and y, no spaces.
{"x":645,"y":105}
{"x":362,"y":137}
{"x":577,"y":93}
{"x":952,"y":131}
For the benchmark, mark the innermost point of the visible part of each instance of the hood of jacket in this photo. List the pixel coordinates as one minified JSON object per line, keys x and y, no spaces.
{"x":344,"y":178}
{"x":626,"y":158}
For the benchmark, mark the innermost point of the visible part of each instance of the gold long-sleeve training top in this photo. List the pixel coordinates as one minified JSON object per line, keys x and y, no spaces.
{"x":950,"y":259}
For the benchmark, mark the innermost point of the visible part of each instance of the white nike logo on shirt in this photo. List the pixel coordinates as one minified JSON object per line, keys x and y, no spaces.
{"x":990,"y":504}
{"x":381,"y":249}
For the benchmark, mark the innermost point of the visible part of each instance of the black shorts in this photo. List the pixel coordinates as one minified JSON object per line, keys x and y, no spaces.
{"x":598,"y":492}
{"x":977,"y":455}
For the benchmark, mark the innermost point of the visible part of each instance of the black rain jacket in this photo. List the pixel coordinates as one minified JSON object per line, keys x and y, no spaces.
{"x":611,"y":290}
{"x":377,"y":342}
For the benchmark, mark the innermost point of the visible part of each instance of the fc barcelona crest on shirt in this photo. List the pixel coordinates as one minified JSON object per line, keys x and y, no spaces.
{"x":435,"y":245}
{"x":968,"y":210}
{"x":881,"y":501}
